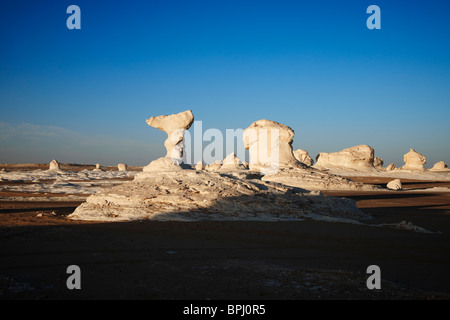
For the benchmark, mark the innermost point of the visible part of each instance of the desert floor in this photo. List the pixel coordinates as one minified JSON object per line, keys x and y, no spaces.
{"x":231,"y":260}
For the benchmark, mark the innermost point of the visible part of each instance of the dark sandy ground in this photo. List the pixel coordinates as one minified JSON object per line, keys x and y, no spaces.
{"x":230,"y":260}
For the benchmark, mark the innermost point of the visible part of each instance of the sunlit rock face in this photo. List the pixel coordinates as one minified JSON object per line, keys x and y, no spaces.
{"x":378,"y":163}
{"x":54,"y":165}
{"x":303,"y":156}
{"x":440,"y":166}
{"x":395,"y":185}
{"x":414,"y":161}
{"x":270,"y":146}
{"x":390,"y":167}
{"x":232,"y":162}
{"x":358,"y":158}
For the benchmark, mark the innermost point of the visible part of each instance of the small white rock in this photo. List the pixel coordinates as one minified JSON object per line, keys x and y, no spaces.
{"x":395,"y":185}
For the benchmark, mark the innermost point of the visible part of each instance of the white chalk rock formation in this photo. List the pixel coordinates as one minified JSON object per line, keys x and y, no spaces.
{"x":390,"y":167}
{"x":122,"y":167}
{"x":200,"y":166}
{"x":358,"y":158}
{"x":270,"y":150}
{"x":54,"y":166}
{"x":232,"y":162}
{"x":270,"y":146}
{"x":378,"y":163}
{"x":98,"y":168}
{"x":174,"y":125}
{"x":414,"y":161}
{"x":216,"y":165}
{"x":191,"y":195}
{"x":440,"y":166}
{"x":395,"y":185}
{"x":303,"y":156}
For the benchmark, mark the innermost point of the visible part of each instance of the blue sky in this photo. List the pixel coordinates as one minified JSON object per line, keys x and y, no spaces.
{"x":82,"y":96}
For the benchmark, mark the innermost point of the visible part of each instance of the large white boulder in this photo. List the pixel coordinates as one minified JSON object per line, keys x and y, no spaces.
{"x":358,"y":158}
{"x":395,"y":185}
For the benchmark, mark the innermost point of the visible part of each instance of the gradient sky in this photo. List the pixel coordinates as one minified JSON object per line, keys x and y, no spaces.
{"x":82,"y":96}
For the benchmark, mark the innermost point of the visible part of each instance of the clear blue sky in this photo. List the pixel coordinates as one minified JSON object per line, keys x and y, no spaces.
{"x":83,"y":95}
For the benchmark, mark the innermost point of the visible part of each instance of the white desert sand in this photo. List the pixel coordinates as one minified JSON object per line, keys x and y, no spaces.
{"x":61,"y":182}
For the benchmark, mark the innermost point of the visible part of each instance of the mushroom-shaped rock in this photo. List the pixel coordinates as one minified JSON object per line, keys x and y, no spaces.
{"x":270,"y":146}
{"x":54,"y":165}
{"x":395,"y":185}
{"x":440,"y":166}
{"x":174,"y":125}
{"x":414,"y":161}
{"x":358,"y":158}
{"x":303,"y":156}
{"x":122,"y":167}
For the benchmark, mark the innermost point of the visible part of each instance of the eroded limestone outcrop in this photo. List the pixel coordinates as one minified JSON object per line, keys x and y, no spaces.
{"x":303,"y":156}
{"x":122,"y":167}
{"x":378,"y":163}
{"x":98,"y":168}
{"x":270,"y":146}
{"x":357,"y":158}
{"x":414,"y":161}
{"x":264,"y":137}
{"x":174,"y":125}
{"x":390,"y":167}
{"x":54,"y":166}
{"x":169,"y":191}
{"x":232,"y":162}
{"x":440,"y":166}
